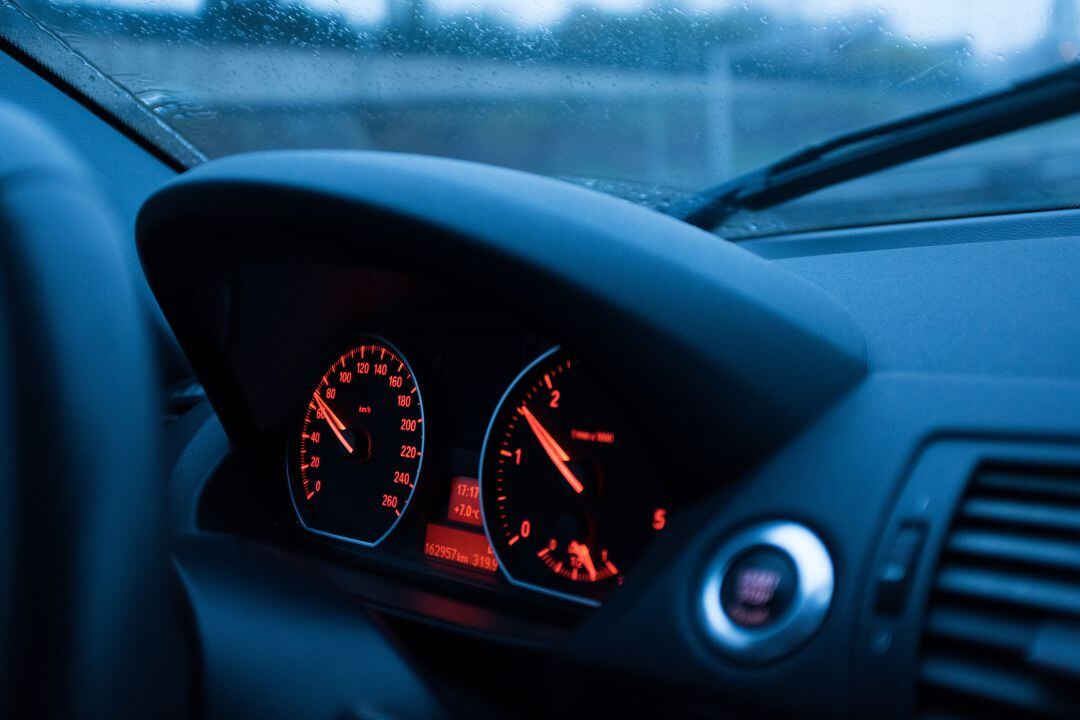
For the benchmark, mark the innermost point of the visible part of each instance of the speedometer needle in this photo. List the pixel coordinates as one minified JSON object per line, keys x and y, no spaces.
{"x":554,"y":451}
{"x":334,"y":422}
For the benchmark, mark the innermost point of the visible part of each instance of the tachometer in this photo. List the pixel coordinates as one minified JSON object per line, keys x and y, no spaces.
{"x":358,"y":445}
{"x":567,"y":496}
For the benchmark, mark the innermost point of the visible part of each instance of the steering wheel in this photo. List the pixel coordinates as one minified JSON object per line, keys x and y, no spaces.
{"x":88,"y":625}
{"x":87,"y":628}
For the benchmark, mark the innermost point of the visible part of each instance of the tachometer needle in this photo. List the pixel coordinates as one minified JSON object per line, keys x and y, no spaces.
{"x":334,"y":422}
{"x":554,"y":451}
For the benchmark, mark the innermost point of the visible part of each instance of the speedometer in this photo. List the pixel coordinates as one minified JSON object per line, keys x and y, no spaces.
{"x":358,"y":444}
{"x":566,"y":493}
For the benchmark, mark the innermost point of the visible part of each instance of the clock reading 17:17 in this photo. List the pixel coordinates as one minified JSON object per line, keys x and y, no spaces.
{"x":568,"y":499}
{"x":358,"y":444}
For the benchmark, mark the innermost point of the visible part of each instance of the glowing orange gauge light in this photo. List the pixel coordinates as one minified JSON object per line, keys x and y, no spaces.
{"x":465,"y":501}
{"x":359,"y":443}
{"x":567,"y":507}
{"x":460,"y":547}
{"x":557,"y":455}
{"x":334,"y":422}
{"x":600,"y":436}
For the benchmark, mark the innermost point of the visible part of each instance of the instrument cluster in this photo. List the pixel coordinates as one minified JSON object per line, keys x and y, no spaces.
{"x":553,"y":494}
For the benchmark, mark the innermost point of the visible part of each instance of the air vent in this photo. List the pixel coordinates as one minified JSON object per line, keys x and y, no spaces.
{"x":1002,"y":635}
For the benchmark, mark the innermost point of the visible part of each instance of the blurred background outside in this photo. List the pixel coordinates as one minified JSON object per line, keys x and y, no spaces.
{"x":674,"y":93}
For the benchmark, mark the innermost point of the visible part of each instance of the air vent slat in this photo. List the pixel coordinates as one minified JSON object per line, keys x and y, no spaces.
{"x":968,"y":677}
{"x":1058,"y":554}
{"x":1029,"y":514}
{"x":1030,"y":486}
{"x":979,"y":628}
{"x":1008,"y":576}
{"x":1024,"y":590}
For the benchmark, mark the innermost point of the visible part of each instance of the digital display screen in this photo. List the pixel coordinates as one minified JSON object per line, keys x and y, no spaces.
{"x":465,"y":501}
{"x":461,"y":547}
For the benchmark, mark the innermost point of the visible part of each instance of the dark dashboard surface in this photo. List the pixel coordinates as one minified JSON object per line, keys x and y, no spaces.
{"x":969,"y":296}
{"x":903,"y":401}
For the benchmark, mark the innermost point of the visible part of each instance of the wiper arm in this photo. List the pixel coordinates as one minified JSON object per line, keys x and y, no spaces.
{"x":864,"y":152}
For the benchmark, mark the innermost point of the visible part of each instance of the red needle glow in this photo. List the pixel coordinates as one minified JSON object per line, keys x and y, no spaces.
{"x":557,"y":454}
{"x":334,"y":422}
{"x":581,"y":550}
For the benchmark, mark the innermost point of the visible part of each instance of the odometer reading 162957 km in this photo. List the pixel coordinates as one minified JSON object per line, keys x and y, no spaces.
{"x":358,"y":446}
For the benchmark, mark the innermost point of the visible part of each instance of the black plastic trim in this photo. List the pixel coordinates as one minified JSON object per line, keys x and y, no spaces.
{"x":45,"y":54}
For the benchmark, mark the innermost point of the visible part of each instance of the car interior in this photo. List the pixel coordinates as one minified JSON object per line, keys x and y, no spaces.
{"x":466,"y":399}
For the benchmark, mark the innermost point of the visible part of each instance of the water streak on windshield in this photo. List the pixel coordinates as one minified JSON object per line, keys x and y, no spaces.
{"x":676,"y":93}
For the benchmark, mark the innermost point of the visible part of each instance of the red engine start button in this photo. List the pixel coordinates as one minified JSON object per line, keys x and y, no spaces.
{"x":758,"y":587}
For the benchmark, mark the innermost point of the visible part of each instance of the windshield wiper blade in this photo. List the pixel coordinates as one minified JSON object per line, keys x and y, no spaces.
{"x":864,"y":152}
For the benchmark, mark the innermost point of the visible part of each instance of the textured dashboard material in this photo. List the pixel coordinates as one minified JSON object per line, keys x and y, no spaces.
{"x":793,"y":378}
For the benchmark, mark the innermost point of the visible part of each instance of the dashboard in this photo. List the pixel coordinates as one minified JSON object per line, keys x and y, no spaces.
{"x":865,"y":444}
{"x":452,"y":442}
{"x":413,"y":427}
{"x":580,"y":443}
{"x":551,"y":521}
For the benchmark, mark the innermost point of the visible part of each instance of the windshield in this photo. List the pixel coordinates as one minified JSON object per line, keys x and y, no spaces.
{"x":677,"y":94}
